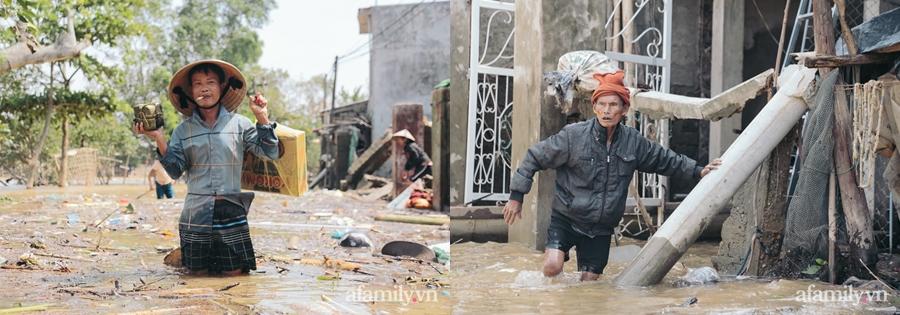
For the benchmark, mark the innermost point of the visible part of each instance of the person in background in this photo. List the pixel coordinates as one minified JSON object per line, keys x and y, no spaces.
{"x":161,"y":181}
{"x":417,"y":160}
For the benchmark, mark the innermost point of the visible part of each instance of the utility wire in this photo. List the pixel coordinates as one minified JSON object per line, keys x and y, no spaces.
{"x":365,"y":52}
{"x":386,"y":29}
{"x":359,"y":51}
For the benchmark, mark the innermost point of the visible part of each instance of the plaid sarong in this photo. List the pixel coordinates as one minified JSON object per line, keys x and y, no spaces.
{"x":227,"y":248}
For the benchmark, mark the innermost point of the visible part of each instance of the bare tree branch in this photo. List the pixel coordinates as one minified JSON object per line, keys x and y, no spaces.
{"x":66,"y":47}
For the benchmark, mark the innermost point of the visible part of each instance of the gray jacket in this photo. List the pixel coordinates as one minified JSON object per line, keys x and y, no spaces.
{"x":591,"y":179}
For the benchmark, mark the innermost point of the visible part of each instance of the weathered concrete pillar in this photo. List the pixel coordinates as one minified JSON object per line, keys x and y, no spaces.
{"x":727,"y":68}
{"x":409,"y":117}
{"x":750,"y":150}
{"x":545,"y":30}
{"x":457,"y":110}
{"x":529,"y":125}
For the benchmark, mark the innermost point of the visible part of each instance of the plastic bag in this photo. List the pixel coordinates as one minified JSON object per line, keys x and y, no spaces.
{"x":575,"y":73}
{"x":702,"y":275}
{"x":583,"y":64}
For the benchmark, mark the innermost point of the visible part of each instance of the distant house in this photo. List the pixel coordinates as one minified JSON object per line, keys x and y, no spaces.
{"x":409,"y":54}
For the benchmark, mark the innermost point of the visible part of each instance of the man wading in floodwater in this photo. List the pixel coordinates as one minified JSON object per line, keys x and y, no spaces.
{"x":208,"y":147}
{"x":594,"y":162}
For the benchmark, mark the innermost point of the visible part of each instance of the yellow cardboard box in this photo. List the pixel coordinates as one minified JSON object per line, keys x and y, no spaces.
{"x":287,"y":175}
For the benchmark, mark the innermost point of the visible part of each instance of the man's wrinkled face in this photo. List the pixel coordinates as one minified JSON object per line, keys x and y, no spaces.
{"x":610,"y":110}
{"x":206,"y":88}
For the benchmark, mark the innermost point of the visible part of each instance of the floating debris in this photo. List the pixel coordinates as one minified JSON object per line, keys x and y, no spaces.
{"x":173,"y":258}
{"x":410,"y":249}
{"x":162,"y":249}
{"x":329,"y":276}
{"x":356,"y":239}
{"x":699,"y":276}
{"x":331,"y":263}
{"x":28,"y":260}
{"x":294,"y":243}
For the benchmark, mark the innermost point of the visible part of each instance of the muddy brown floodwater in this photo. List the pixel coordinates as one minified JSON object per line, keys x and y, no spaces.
{"x":76,"y":268}
{"x":494,"y":278}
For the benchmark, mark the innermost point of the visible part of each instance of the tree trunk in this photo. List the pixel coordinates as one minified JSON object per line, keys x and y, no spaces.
{"x":34,"y":162}
{"x":63,"y":159}
{"x":853,"y":200}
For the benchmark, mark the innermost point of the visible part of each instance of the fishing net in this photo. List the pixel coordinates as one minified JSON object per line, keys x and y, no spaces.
{"x":806,"y":225}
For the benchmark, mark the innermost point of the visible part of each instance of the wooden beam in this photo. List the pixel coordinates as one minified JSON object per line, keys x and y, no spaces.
{"x":632,"y":192}
{"x":368,"y":162}
{"x":846,"y":32}
{"x":832,"y":229}
{"x":414,"y":219}
{"x":830,"y":61}
{"x":853,"y":200}
{"x":823,"y":30}
{"x":627,"y":11}
{"x":440,"y":149}
{"x":784,"y":27}
{"x":659,"y":105}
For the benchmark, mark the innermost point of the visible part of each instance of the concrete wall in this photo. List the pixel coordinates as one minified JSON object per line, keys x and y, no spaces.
{"x":408,"y":59}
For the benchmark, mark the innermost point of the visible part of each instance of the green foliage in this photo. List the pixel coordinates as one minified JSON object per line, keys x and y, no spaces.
{"x":111,"y":136}
{"x":218,"y":29}
{"x":26,"y":94}
{"x":349,"y":97}
{"x":78,"y":104}
{"x":815,"y":267}
{"x":18,"y":10}
{"x":15,"y":146}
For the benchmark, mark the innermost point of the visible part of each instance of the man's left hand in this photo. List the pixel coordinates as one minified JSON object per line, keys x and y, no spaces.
{"x":710,"y":167}
{"x":258,"y":105}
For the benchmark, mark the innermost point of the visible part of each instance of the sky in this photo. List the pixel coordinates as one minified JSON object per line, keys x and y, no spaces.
{"x":303,"y":37}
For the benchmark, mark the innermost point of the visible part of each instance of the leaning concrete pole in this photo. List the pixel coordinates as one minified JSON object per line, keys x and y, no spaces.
{"x":715,"y":189}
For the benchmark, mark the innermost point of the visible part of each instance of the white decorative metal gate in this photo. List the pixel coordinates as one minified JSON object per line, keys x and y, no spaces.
{"x":488,"y":163}
{"x":650,"y":65}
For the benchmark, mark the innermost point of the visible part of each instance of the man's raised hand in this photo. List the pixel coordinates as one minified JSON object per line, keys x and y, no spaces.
{"x":153,"y":135}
